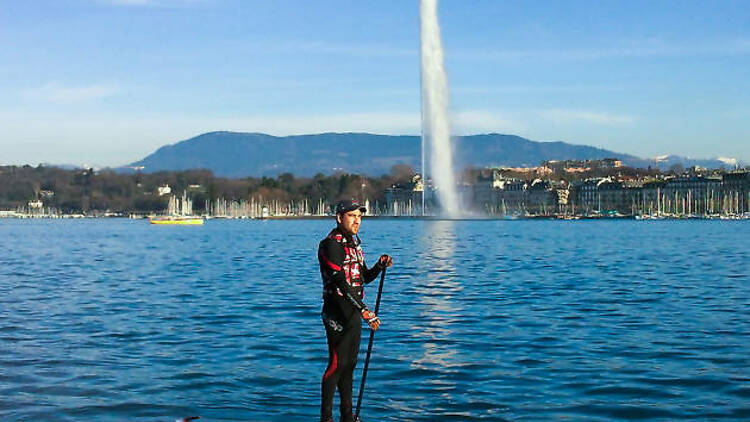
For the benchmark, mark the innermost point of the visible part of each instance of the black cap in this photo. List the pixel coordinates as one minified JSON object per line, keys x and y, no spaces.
{"x":349,"y":205}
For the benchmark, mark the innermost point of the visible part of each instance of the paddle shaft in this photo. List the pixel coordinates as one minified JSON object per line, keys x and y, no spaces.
{"x":369,"y":347}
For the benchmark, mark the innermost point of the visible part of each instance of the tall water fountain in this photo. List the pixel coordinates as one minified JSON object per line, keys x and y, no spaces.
{"x":436,"y":130}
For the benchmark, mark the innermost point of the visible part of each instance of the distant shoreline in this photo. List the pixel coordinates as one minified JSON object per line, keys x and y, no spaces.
{"x":385,"y":217}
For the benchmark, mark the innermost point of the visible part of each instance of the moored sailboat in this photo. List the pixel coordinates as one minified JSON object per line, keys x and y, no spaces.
{"x":178,"y":213}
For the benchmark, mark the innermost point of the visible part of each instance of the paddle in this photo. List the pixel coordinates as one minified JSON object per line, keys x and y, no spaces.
{"x":369,"y":347}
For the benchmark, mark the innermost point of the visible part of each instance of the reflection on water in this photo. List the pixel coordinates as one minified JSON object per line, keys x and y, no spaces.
{"x":436,"y":294}
{"x":439,"y":244}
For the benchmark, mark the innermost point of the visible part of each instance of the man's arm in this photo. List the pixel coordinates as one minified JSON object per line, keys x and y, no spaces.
{"x":332,"y":256}
{"x":371,"y":273}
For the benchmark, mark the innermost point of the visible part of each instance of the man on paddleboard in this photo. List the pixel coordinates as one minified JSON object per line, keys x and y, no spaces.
{"x":344,"y":272}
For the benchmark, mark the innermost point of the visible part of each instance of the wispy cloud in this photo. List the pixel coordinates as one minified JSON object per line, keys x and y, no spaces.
{"x":59,"y":94}
{"x":463,"y":123}
{"x":114,"y":139}
{"x":631,"y":50}
{"x":110,"y":140}
{"x":152,"y":3}
{"x":66,"y":136}
{"x":129,"y":2}
{"x":531,"y":89}
{"x":470,"y":122}
{"x":640,"y":49}
{"x":738,"y":113}
{"x":592,"y":117}
{"x":369,"y":50}
{"x":384,"y":123}
{"x":331,"y":48}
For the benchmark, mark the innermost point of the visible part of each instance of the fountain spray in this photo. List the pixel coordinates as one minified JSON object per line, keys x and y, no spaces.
{"x":435,"y":125}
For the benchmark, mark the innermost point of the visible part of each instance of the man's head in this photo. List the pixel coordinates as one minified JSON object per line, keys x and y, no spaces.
{"x":349,"y":216}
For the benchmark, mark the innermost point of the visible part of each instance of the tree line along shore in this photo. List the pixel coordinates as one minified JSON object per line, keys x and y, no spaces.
{"x":97,"y":192}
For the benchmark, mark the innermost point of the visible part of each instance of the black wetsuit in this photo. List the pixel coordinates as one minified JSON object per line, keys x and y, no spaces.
{"x":343,"y":269}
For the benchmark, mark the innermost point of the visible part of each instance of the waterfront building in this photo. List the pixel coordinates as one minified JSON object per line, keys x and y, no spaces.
{"x":691,"y":195}
{"x":405,"y":199}
{"x":511,"y":197}
{"x":620,"y":197}
{"x":484,"y":197}
{"x":651,"y":197}
{"x":736,"y":193}
{"x":587,"y":199}
{"x":541,"y":197}
{"x":563,"y":194}
{"x":685,"y":196}
{"x":607,"y":196}
{"x":498,"y":195}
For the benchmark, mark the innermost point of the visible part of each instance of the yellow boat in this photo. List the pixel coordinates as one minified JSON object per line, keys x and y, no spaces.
{"x":177,"y":220}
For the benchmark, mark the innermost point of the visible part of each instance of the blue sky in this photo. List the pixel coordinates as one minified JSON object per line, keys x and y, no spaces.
{"x":106,"y":82}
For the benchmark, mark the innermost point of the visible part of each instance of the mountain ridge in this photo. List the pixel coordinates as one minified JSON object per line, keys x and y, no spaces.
{"x":246,"y":154}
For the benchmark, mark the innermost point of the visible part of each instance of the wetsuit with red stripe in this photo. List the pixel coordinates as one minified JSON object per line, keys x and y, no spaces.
{"x":342,"y":266}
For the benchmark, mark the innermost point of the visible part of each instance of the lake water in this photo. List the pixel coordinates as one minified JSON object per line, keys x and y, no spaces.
{"x":116,"y":320}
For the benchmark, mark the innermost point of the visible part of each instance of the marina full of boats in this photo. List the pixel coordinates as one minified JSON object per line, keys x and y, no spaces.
{"x":180,"y":211}
{"x":201,"y":219}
